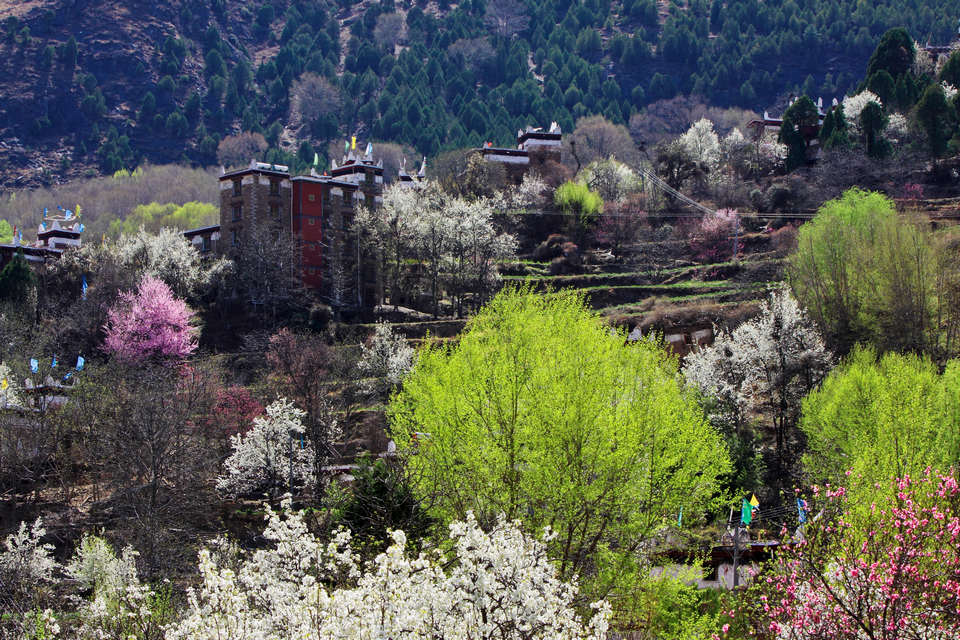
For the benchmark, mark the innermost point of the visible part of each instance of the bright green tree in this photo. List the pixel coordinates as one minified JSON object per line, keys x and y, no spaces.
{"x":866,"y":274}
{"x":6,"y":232}
{"x":580,"y":203}
{"x":880,"y":418}
{"x":542,"y":413}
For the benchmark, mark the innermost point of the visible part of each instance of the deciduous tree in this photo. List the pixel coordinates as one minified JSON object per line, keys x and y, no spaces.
{"x":541,"y":413}
{"x":150,"y":324}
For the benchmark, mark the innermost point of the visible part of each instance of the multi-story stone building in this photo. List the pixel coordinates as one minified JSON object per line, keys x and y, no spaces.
{"x":535,"y":147}
{"x":264,"y":201}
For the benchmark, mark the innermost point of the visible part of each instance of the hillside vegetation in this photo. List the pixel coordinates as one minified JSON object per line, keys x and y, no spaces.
{"x":97,"y":85}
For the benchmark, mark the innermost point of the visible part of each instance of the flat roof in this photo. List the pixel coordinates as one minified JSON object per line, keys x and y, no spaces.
{"x":199,"y":230}
{"x":246,"y":170}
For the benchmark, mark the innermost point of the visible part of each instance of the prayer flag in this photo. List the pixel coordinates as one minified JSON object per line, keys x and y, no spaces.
{"x":346,"y":146}
{"x":753,"y":500}
{"x":353,"y":142}
{"x":369,"y":148}
{"x":78,"y":211}
{"x":801,"y":510}
{"x":80,"y":363}
{"x":44,"y":213}
{"x":746,"y":513}
{"x":680,"y":517}
{"x":34,"y":365}
{"x":4,"y":384}
{"x":83,"y":287}
{"x":316,"y":159}
{"x":53,"y":362}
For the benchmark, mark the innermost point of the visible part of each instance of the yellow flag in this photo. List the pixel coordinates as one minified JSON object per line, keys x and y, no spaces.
{"x":4,"y":384}
{"x":77,"y":210}
{"x":353,"y":142}
{"x":753,"y":500}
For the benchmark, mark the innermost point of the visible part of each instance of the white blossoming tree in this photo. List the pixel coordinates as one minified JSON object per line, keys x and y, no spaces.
{"x":765,"y":366}
{"x":263,"y":458}
{"x":702,"y":145}
{"x":853,"y":106}
{"x":26,"y":567}
{"x":385,"y":360}
{"x":499,"y":586}
{"x":121,"y":606}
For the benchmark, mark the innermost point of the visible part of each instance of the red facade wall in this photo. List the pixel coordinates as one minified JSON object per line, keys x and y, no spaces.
{"x":307,"y":226}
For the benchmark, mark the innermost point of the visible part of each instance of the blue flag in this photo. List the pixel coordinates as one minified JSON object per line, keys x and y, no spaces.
{"x":80,"y":363}
{"x":44,"y":213}
{"x":67,"y":214}
{"x":80,"y":227}
{"x":34,"y":365}
{"x":68,"y":376}
{"x":59,"y":208}
{"x":801,"y":510}
{"x":83,"y":287}
{"x":53,"y":362}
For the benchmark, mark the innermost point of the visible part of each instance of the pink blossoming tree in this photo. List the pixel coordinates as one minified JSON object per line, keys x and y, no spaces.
{"x":150,"y":324}
{"x":882,"y":571}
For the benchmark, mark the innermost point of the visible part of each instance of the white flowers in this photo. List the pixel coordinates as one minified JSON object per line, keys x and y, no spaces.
{"x":121,"y":604}
{"x":384,"y":361}
{"x":26,"y":560}
{"x":263,"y":458}
{"x":500,"y":585}
{"x":701,"y":144}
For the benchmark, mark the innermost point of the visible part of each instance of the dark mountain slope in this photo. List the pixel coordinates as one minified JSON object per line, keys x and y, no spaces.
{"x":91,"y":85}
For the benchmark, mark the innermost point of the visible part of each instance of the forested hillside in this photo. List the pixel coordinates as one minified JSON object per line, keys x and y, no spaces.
{"x":95,"y":85}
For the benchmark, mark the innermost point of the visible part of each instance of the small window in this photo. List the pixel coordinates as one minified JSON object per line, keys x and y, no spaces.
{"x":312,"y":197}
{"x":205,"y":244}
{"x":275,"y":187}
{"x":237,"y":211}
{"x":236,"y":188}
{"x":234,"y":238}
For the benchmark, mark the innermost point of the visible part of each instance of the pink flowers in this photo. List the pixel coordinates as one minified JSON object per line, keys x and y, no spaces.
{"x":150,"y":324}
{"x":893,"y":568}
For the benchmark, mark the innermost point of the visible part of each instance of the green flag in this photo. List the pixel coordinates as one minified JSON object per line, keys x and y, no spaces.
{"x":316,"y":159}
{"x":746,"y":512}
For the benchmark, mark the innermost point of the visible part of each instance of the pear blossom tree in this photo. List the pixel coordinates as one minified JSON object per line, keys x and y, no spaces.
{"x":150,"y":324}
{"x":490,"y":586}
{"x":385,"y":359}
{"x":264,"y":458}
{"x":885,"y":571}
{"x":765,"y":366}
{"x":26,"y":568}
{"x":702,"y":145}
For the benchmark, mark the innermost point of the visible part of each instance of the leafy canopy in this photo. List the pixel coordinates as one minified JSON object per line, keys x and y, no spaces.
{"x":541,"y":412}
{"x":881,"y":417}
{"x":866,"y":274}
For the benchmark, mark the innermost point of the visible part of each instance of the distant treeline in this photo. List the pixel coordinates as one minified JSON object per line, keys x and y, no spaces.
{"x":107,"y":203}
